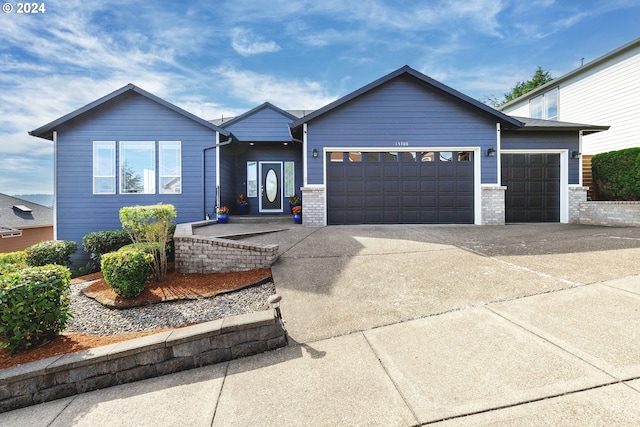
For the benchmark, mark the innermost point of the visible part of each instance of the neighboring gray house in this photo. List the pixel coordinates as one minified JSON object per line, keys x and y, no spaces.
{"x":402,"y":149}
{"x":23,"y":223}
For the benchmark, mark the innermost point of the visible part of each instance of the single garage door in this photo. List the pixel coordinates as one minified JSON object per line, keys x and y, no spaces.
{"x":533,"y":187}
{"x":421,"y":187}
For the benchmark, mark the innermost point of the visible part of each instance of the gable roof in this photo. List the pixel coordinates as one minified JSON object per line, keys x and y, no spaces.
{"x":417,"y":75}
{"x":583,"y":69}
{"x":547,"y":125}
{"x":46,"y":131}
{"x":14,"y":217}
{"x":256,"y":110}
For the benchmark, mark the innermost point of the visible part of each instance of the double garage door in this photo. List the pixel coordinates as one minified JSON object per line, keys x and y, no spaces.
{"x":422,"y":187}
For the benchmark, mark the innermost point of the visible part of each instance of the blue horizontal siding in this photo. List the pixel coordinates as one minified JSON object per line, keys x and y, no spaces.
{"x":127,"y":117}
{"x":403,"y":110}
{"x":265,"y":124}
{"x":521,"y":140}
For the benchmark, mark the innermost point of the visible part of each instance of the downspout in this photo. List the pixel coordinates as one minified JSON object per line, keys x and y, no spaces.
{"x":204,"y":171}
{"x":580,"y":135}
{"x":304,"y":155}
{"x":55,"y":185}
{"x":498,"y":162}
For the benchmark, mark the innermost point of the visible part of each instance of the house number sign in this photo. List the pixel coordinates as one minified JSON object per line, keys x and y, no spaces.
{"x":402,"y":143}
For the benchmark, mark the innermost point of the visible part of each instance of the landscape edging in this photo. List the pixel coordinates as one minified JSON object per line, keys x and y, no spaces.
{"x":141,"y":358}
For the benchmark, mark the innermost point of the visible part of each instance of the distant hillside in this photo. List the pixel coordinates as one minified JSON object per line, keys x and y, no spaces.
{"x":41,"y":199}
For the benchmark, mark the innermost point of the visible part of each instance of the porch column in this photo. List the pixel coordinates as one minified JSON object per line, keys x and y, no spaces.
{"x":313,"y":206}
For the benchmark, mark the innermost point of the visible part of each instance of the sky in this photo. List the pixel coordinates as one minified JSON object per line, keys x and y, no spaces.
{"x":218,"y":58}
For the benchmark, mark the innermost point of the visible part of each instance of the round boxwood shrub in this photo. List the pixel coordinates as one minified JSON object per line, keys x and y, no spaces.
{"x":34,"y":306}
{"x":51,"y":252}
{"x":126,"y":271}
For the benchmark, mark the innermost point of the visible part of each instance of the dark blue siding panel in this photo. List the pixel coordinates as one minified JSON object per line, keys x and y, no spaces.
{"x":262,"y":153}
{"x":403,"y":110}
{"x":128,"y":117}
{"x":546,"y":141}
{"x":263,"y":125}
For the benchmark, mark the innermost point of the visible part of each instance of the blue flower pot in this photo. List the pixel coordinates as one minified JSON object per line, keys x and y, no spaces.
{"x":223,"y":218}
{"x":297,"y":219}
{"x":242,"y":208}
{"x":291,"y":206}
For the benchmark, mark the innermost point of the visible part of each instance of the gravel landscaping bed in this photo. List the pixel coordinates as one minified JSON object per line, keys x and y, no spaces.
{"x":91,"y":317}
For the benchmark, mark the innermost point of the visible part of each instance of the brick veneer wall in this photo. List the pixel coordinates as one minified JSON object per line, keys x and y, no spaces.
{"x":577,"y":195}
{"x":205,"y":254}
{"x":141,"y":358}
{"x":493,"y":208}
{"x":615,"y":214}
{"x":313,"y":208}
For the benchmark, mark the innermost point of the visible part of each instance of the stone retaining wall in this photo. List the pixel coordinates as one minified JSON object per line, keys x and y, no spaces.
{"x":205,"y":254}
{"x":137,"y":359}
{"x":615,"y":214}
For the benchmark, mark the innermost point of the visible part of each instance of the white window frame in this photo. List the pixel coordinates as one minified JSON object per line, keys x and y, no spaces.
{"x":544,"y":99}
{"x":175,"y":176}
{"x":97,"y":147}
{"x":148,"y":176}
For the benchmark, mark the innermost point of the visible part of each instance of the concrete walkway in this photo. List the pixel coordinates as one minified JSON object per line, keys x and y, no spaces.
{"x":411,"y":325}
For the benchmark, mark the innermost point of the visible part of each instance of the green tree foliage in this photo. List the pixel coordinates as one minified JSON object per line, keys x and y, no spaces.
{"x":616,"y":175}
{"x":151,"y":225}
{"x":539,"y":78}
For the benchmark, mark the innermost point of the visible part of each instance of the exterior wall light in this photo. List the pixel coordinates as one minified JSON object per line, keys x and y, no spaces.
{"x":315,"y":153}
{"x":576,"y":154}
{"x":491,"y":152}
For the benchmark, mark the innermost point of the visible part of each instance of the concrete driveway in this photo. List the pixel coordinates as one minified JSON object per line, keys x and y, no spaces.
{"x":340,"y":279}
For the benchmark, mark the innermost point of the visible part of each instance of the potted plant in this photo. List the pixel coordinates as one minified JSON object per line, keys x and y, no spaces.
{"x":297,"y":214}
{"x":223,"y":214}
{"x":242,"y":204}
{"x":294,"y":200}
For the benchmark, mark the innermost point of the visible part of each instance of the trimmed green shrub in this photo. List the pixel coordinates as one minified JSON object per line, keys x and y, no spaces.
{"x":34,"y":306}
{"x":151,"y":224}
{"x":616,"y":175}
{"x":51,"y":252}
{"x":99,"y":243}
{"x":12,"y":261}
{"x":126,"y":271}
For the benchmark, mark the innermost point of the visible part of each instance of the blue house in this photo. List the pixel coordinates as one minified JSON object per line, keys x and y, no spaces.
{"x":402,"y":149}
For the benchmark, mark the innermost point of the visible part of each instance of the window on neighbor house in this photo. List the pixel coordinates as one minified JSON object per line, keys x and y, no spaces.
{"x":170,"y":167}
{"x":137,"y":167}
{"x":104,"y":167}
{"x":545,"y":106}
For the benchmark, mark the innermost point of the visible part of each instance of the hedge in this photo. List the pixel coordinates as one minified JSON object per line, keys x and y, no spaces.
{"x":51,"y":252}
{"x":34,"y":306}
{"x":99,"y":243}
{"x":616,"y":175}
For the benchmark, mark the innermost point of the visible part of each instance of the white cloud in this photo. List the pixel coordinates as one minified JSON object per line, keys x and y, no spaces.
{"x":287,"y":94}
{"x":246,"y":43}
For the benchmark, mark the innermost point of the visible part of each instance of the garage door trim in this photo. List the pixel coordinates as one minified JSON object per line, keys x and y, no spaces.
{"x":564,"y":176}
{"x":477,"y":153}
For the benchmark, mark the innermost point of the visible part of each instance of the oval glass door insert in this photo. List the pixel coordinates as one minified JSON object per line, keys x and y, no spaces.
{"x":271,"y":186}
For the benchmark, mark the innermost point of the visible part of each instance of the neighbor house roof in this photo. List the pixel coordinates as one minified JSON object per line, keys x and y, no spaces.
{"x":17,"y":214}
{"x":46,"y":131}
{"x":419,"y":76}
{"x":571,"y":74}
{"x":546,"y":125}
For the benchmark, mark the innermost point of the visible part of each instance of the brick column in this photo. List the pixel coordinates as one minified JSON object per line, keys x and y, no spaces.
{"x":493,"y":207}
{"x":313,"y":208}
{"x":577,"y":195}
